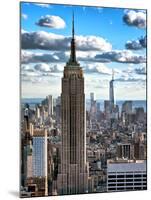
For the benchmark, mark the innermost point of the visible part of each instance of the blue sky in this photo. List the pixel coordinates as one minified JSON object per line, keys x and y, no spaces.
{"x":100,"y":33}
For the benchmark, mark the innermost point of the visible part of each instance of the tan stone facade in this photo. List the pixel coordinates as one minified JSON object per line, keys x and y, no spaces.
{"x":73,"y":175}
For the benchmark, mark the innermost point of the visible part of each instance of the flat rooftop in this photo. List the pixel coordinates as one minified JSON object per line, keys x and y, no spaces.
{"x":137,"y":165}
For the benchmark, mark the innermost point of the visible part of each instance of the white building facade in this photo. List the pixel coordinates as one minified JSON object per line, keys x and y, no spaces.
{"x":40,"y":154}
{"x":128,"y":175}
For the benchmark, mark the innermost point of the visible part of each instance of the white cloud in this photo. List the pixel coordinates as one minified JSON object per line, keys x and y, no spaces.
{"x":32,"y":57}
{"x":42,"y":67}
{"x":97,"y":68}
{"x":27,"y":68}
{"x":51,"y":21}
{"x":30,"y":74}
{"x":121,"y":56}
{"x":43,"y":5}
{"x":137,"y":44}
{"x":141,"y":70}
{"x":49,"y":41}
{"x":135,"y":18}
{"x":86,"y":43}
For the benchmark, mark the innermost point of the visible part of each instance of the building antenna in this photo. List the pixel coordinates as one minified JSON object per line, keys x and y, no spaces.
{"x":113,"y":74}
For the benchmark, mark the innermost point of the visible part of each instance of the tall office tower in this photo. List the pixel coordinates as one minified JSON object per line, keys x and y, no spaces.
{"x":58,"y":110}
{"x":98,"y":107}
{"x":107,"y":109}
{"x":91,"y":99}
{"x":37,"y":111}
{"x":139,"y":150}
{"x":50,"y":105}
{"x":140,"y":115}
{"x":39,"y":161}
{"x":126,"y":111}
{"x":127,"y":107}
{"x":111,"y":94}
{"x":124,"y":151}
{"x":73,"y":178}
{"x":93,"y":111}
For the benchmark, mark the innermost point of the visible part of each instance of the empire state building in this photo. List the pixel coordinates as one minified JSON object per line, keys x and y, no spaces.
{"x":73,"y":175}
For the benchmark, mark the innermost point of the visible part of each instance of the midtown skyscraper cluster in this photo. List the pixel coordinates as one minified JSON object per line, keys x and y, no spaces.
{"x":70,"y":146}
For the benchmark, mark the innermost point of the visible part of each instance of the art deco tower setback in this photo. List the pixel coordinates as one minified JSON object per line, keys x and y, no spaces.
{"x":73,"y":176}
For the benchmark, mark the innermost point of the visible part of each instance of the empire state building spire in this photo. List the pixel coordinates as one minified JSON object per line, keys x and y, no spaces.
{"x":72,"y":60}
{"x":73,"y":26}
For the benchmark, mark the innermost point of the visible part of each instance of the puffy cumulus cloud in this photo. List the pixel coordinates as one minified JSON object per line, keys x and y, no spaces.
{"x":30,"y":57}
{"x":135,"y":18}
{"x":24,"y":16}
{"x":97,"y":68}
{"x":54,"y":57}
{"x":40,"y":73}
{"x":143,"y":41}
{"x":30,"y":74}
{"x":57,"y":68}
{"x":133,"y":72}
{"x":42,"y":67}
{"x":141,"y":70}
{"x":52,"y":68}
{"x":84,"y":55}
{"x":133,"y":45}
{"x":51,"y":21}
{"x":42,"y":40}
{"x":136,"y":44}
{"x":93,"y":43}
{"x":27,"y":68}
{"x":49,"y":41}
{"x":120,"y":56}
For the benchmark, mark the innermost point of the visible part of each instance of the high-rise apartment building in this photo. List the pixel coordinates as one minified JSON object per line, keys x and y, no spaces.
{"x":124,"y":151}
{"x":50,"y":105}
{"x":39,"y":159}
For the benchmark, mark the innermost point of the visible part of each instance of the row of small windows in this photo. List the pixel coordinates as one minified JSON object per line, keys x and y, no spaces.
{"x":126,"y":184}
{"x":127,"y":176}
{"x":130,"y":172}
{"x":130,"y":188}
{"x":126,"y":180}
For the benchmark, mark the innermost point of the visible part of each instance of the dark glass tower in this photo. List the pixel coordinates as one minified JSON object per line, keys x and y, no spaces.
{"x":73,"y":176}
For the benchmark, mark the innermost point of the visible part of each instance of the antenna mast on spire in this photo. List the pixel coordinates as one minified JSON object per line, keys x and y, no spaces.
{"x":112,"y":74}
{"x":73,"y":25}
